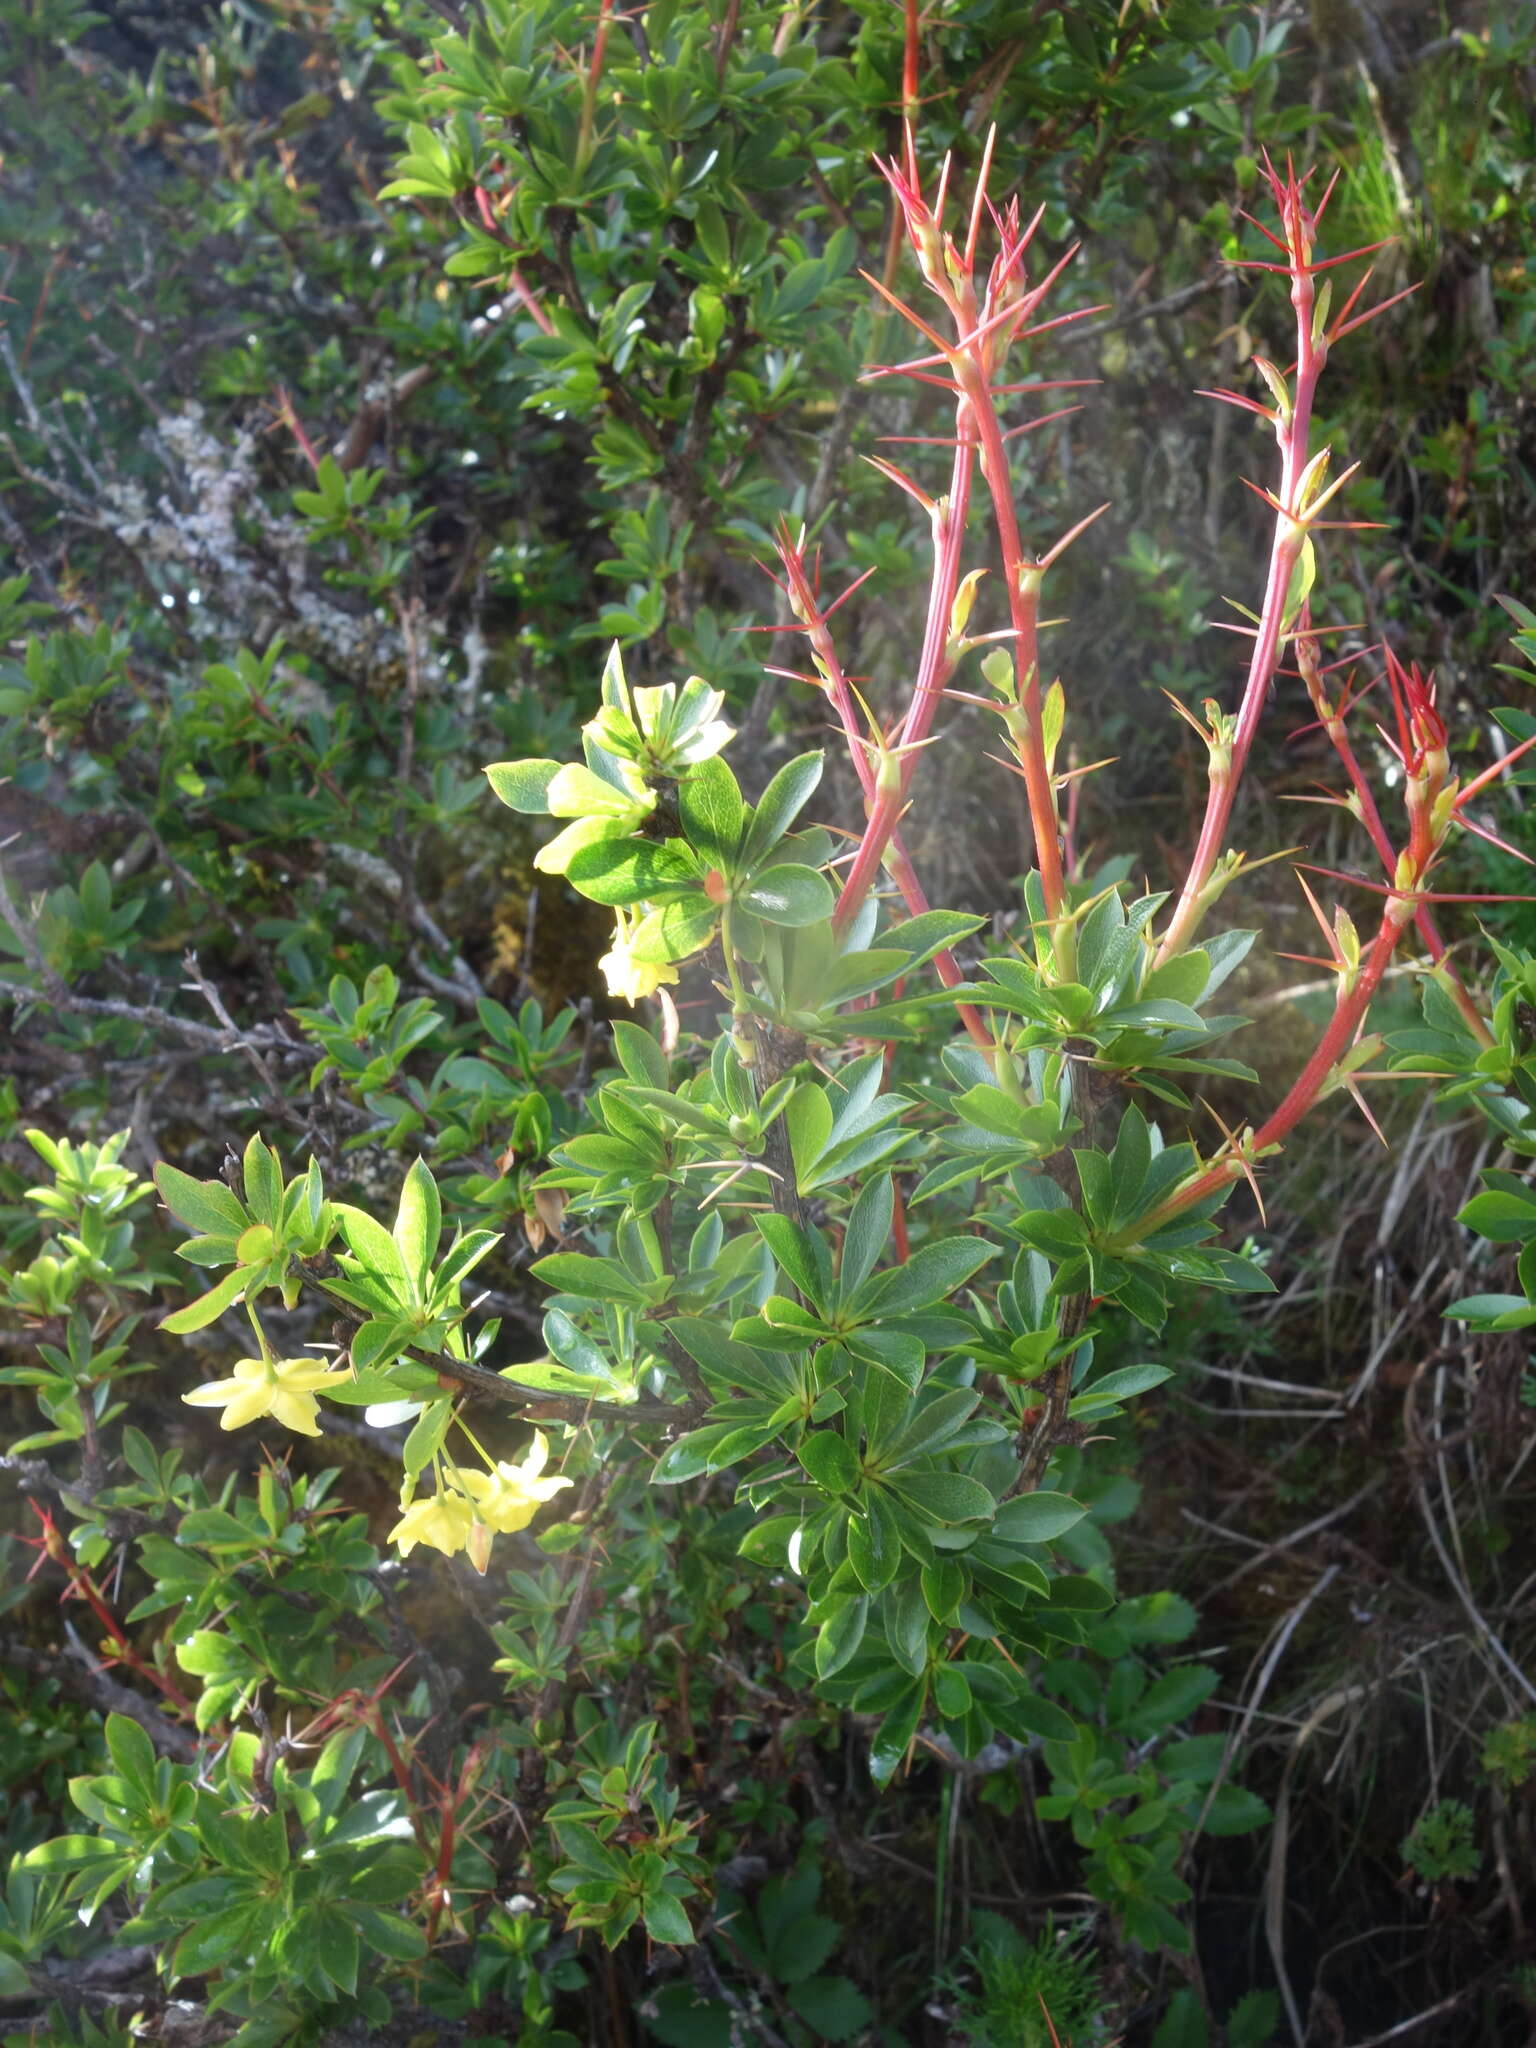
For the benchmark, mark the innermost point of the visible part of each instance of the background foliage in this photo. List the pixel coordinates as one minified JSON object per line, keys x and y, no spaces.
{"x":317,"y":505}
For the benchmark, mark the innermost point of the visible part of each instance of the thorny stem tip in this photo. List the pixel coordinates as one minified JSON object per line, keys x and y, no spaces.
{"x":1292,"y":420}
{"x":986,"y":323}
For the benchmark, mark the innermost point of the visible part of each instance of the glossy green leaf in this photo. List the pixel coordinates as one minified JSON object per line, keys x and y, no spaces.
{"x":944,"y":1497}
{"x":789,"y":895}
{"x":830,"y":1460}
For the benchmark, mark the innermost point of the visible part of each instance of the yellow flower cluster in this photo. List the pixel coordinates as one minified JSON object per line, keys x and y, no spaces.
{"x":470,"y":1507}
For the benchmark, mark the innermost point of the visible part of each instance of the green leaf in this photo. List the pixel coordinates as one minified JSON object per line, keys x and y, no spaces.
{"x":576,"y":1273}
{"x":945,"y":1497}
{"x":640,"y":1056}
{"x":793,"y":1251}
{"x":336,"y":1947}
{"x":665,"y":1920}
{"x":371,"y":1245}
{"x":1029,"y":1714}
{"x":710,"y":808}
{"x":898,"y":1352}
{"x":463,"y":1256}
{"x":207,"y":1654}
{"x":830,"y":1460}
{"x":1236,"y":1811}
{"x":1119,"y":1386}
{"x":426,"y":1437}
{"x":929,"y":1429}
{"x":524,"y":785}
{"x":831,"y":2007}
{"x":623,"y":871}
{"x":906,"y":1626}
{"x":867,"y":1234}
{"x":1156,"y":1618}
{"x":1171,"y":1699}
{"x":781,"y":803}
{"x":197,"y":1315}
{"x":893,"y":1738}
{"x":1252,"y":2021}
{"x":68,"y":1852}
{"x":952,"y":1696}
{"x":215,"y":1939}
{"x":374,"y":1345}
{"x":691,"y":1455}
{"x":1494,"y":1311}
{"x":808,"y":1118}
{"x":874,"y":1544}
{"x":943,"y":1585}
{"x":675,"y":931}
{"x":934,"y":1274}
{"x":132,"y":1753}
{"x":1497,"y":1214}
{"x":1037,"y":1517}
{"x":1080,"y":1595}
{"x":387,"y":1934}
{"x":929,"y":933}
{"x":418,"y":1225}
{"x":207,"y":1205}
{"x":677,"y":2017}
{"x":576,"y":1352}
{"x":789,"y":895}
{"x":840,"y":1634}
{"x":263,"y":1180}
{"x":1183,"y":2024}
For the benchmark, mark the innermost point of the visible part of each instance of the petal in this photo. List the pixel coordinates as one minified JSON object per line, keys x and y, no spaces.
{"x":513,"y":1515}
{"x":245,"y":1405}
{"x":297,"y":1412}
{"x":497,"y":1504}
{"x":304,"y":1375}
{"x":448,"y":1532}
{"x":618,"y":972}
{"x":212,"y":1394}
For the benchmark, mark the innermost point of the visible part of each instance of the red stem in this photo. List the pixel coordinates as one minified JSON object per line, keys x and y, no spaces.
{"x":909,"y":82}
{"x":1022,"y":580}
{"x":891,"y":797}
{"x":814,"y":623}
{"x":1349,"y":1014}
{"x":1294,"y":435}
{"x":123,"y":1652}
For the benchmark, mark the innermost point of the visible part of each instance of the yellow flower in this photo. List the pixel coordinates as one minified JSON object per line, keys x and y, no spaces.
{"x":628,"y":978}
{"x":283,"y":1388}
{"x":442,"y":1520}
{"x":509,"y":1497}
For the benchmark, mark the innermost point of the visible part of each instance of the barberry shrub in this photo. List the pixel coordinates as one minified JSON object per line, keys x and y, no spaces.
{"x":836,"y":1257}
{"x":836,"y":1250}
